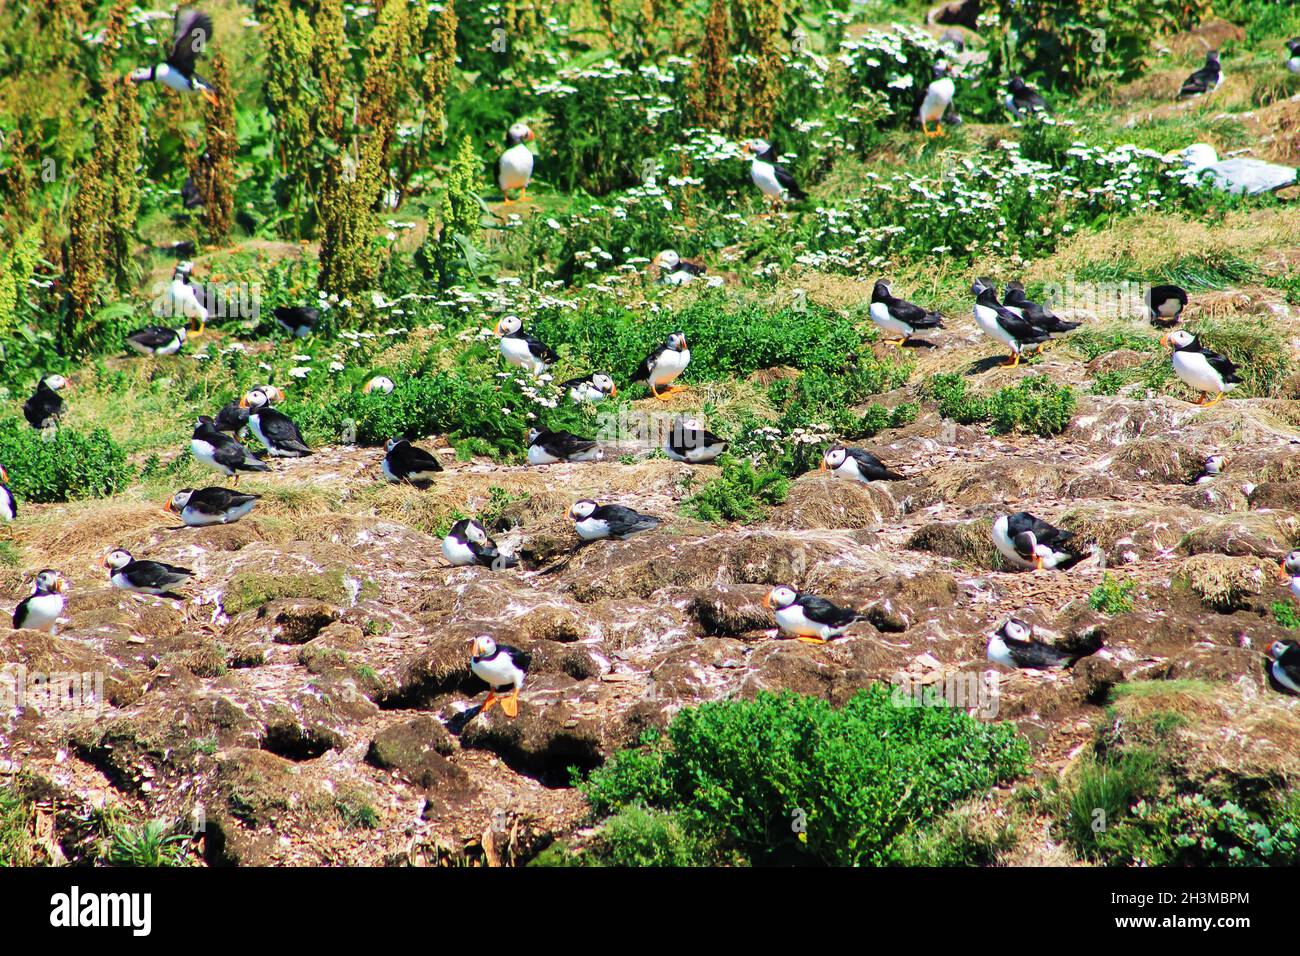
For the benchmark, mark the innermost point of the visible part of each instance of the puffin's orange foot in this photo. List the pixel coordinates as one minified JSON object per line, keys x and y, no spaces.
{"x":510,"y":705}
{"x":810,"y":640}
{"x":490,"y":702}
{"x":1012,"y":361}
{"x":1215,"y":400}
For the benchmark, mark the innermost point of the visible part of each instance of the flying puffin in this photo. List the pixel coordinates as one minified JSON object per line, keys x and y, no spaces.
{"x":773,"y":180}
{"x":856,"y":465}
{"x":41,"y":609}
{"x":662,"y":366}
{"x":898,"y":316}
{"x":1039,"y":316}
{"x":8,"y":504}
{"x":1013,"y":645}
{"x":1028,"y":542}
{"x":674,"y":270}
{"x":1206,"y":79}
{"x":589,"y":388}
{"x":502,"y":667}
{"x":1212,"y":468}
{"x":222,"y":452}
{"x":468,"y":543}
{"x":1165,"y":303}
{"x":1002,"y":325}
{"x":299,"y":321}
{"x":1022,"y":100}
{"x":406,"y":462}
{"x":691,"y":442}
{"x":276,"y":430}
{"x":547,"y":447}
{"x":1293,"y":55}
{"x":144,"y":577}
{"x":190,"y":36}
{"x":233,"y":416}
{"x":521,"y":349}
{"x":937,"y":99}
{"x":45,"y":406}
{"x":212,"y":505}
{"x":594,"y":521}
{"x":1207,"y":372}
{"x":809,"y":618}
{"x":1290,"y":571}
{"x":515,"y":167}
{"x":1285,"y":656}
{"x":156,"y":340}
{"x":187,"y":299}
{"x":380,"y":383}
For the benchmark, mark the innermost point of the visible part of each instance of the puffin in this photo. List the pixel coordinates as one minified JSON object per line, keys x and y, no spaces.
{"x":1023,"y":100}
{"x":898,"y":316}
{"x":156,"y":340}
{"x":1013,"y":645}
{"x":406,"y":462}
{"x":187,"y":299}
{"x":588,"y":389}
{"x":1002,"y":325}
{"x":1207,"y":372}
{"x":807,"y":617}
{"x":1028,"y":542}
{"x":1285,"y":656}
{"x":773,"y":180}
{"x":1290,"y":572}
{"x":937,"y":99}
{"x":299,"y":321}
{"x":45,"y":406}
{"x":212,"y":505}
{"x":1039,"y":316}
{"x":276,"y":430}
{"x":662,"y":366}
{"x":144,"y":577}
{"x":1165,"y":303}
{"x":1212,"y":468}
{"x":593,"y":521}
{"x":856,"y":465}
{"x":691,"y":442}
{"x":191,"y":35}
{"x":1205,"y":80}
{"x":547,"y":447}
{"x":233,"y":416}
{"x":1293,"y":55}
{"x":222,"y":452}
{"x":521,"y":349}
{"x":674,"y":270}
{"x":8,"y":503}
{"x":41,"y":609}
{"x":515,"y":167}
{"x":380,"y":383}
{"x":468,"y":543}
{"x":502,"y":667}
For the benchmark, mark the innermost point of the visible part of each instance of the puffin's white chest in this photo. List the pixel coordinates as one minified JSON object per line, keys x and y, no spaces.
{"x":999,"y":653}
{"x":205,"y":453}
{"x":848,"y":468}
{"x":515,"y":168}
{"x":1002,"y":541}
{"x":1193,"y":369}
{"x":456,"y":551}
{"x":879,"y":313}
{"x":592,"y":529}
{"x":43,"y":610}
{"x":1285,"y":679}
{"x":694,"y":454}
{"x":186,"y":301}
{"x":937,"y":99}
{"x":987,"y":320}
{"x":199,"y":518}
{"x":537,"y":455}
{"x":1293,"y":64}
{"x":255,"y":424}
{"x":498,"y":670}
{"x":793,"y":621}
{"x":586,"y":392}
{"x":670,"y":364}
{"x":517,"y":353}
{"x":681,"y":277}
{"x":764,"y":176}
{"x":6,"y":505}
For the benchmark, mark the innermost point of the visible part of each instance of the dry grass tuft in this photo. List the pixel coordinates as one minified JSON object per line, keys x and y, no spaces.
{"x":1222,"y":583}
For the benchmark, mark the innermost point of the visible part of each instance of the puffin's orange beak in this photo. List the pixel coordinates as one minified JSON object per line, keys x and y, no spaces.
{"x":767,"y":600}
{"x":60,"y":585}
{"x":1282,"y":572}
{"x":822,"y":466}
{"x":1164,"y":340}
{"x":243,"y":403}
{"x":104,"y":561}
{"x":474,"y":647}
{"x":169,"y":506}
{"x":1038,"y":562}
{"x":4,"y":475}
{"x":531,"y":136}
{"x":496,"y":329}
{"x":368,"y":387}
{"x":613,"y":390}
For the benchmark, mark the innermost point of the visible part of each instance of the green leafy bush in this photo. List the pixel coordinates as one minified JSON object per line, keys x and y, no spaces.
{"x":741,"y":493}
{"x":1112,"y":596}
{"x":789,"y":777}
{"x":61,"y":465}
{"x":1034,"y":405}
{"x":1286,"y":614}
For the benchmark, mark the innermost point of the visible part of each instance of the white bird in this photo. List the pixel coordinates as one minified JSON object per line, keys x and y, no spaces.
{"x":938,"y":97}
{"x":1237,"y":176}
{"x":515,"y":167}
{"x":1205,"y":371}
{"x":187,"y":299}
{"x":772,"y":179}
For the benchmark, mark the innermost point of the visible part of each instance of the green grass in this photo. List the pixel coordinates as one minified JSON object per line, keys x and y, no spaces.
{"x":1035,"y":405}
{"x":1286,"y":614}
{"x":1112,"y":596}
{"x":741,"y":493}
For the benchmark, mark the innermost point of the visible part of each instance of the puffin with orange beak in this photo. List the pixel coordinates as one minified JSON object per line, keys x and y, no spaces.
{"x":521,"y":349}
{"x":276,"y":430}
{"x":191,"y":34}
{"x":232,"y":419}
{"x":1289,"y":571}
{"x":144,"y":577}
{"x":8,"y":504}
{"x":664,"y":365}
{"x":214,"y":505}
{"x":807,"y":617}
{"x":503,"y":668}
{"x":589,"y":389}
{"x":1206,"y":371}
{"x":1031,"y":543}
{"x":1285,"y":656}
{"x":857,"y":465}
{"x":1014,"y":645}
{"x":515,"y":167}
{"x":40,"y":610}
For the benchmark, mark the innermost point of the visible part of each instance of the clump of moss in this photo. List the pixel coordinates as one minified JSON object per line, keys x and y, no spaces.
{"x":251,"y":589}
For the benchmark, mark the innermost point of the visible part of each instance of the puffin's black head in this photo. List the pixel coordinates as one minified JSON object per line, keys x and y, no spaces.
{"x":204,"y":424}
{"x":476,"y":532}
{"x":1293,"y":46}
{"x":483,"y":646}
{"x":117,"y":558}
{"x":1290,"y":567}
{"x":508,"y":325}
{"x":1026,"y":545}
{"x":582,"y":509}
{"x":254,"y":400}
{"x":1215,"y":464}
{"x":1182,"y":341}
{"x":834,"y":457}
{"x":985,"y":294}
{"x":177,"y":502}
{"x":1212,"y":58}
{"x":394,"y":442}
{"x":1016,"y":630}
{"x":519,"y":133}
{"x":676,"y":342}
{"x":941,"y":69}
{"x":880,"y":291}
{"x":48,"y":581}
{"x":1017,"y":85}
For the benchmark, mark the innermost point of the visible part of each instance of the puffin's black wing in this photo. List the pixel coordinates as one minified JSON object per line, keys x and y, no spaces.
{"x":20,"y":612}
{"x":153,"y":336}
{"x":540,"y":349}
{"x":574,"y":382}
{"x":1223,"y":365}
{"x":216,"y":500}
{"x":489,"y":556}
{"x":282,"y":430}
{"x":1289,"y":661}
{"x":1036,"y":655}
{"x":913,"y":314}
{"x":872,"y":467}
{"x":642,"y":373}
{"x":564,"y":444}
{"x":191,"y":37}
{"x":44,"y":404}
{"x":294,"y":317}
{"x":623,"y":521}
{"x":822,"y":611}
{"x":232,"y":417}
{"x":1017,"y":327}
{"x":1045,"y":533}
{"x":1041,"y":317}
{"x":155,"y":574}
{"x":410,"y":459}
{"x":1200,"y":81}
{"x":788,"y":182}
{"x":694,"y":268}
{"x":523,"y":660}
{"x":231,"y":454}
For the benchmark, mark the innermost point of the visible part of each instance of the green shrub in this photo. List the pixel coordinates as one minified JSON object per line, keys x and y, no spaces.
{"x":1286,"y":614}
{"x":1034,"y":405}
{"x":741,"y":493}
{"x":18,"y":845}
{"x":152,"y":844}
{"x":966,"y":836}
{"x":1192,"y":830}
{"x":636,"y":836}
{"x":790,"y":777}
{"x":1112,"y":596}
{"x":61,"y":465}
{"x":1101,"y":795}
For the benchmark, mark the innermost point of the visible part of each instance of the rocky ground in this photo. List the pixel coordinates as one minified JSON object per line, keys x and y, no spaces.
{"x":310,"y":698}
